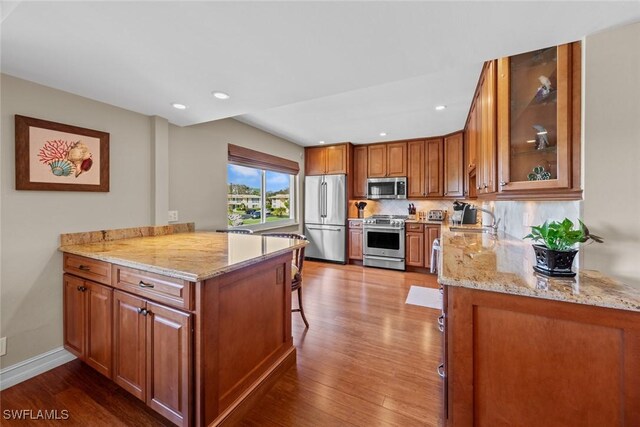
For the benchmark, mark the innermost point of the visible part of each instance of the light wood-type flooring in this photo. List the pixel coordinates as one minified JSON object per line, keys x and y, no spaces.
{"x":368,"y":359}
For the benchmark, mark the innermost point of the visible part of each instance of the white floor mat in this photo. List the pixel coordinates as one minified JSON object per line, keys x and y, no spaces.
{"x":426,"y":297}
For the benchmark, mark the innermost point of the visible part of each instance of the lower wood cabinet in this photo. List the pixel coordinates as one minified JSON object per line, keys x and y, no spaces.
{"x":153,"y":356}
{"x":88,"y":322}
{"x":522,"y":361}
{"x":355,"y":240}
{"x":418,"y":242}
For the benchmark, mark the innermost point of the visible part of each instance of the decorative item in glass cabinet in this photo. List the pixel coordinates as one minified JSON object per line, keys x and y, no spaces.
{"x":539,"y":174}
{"x":542,"y":140}
{"x":544,"y":90}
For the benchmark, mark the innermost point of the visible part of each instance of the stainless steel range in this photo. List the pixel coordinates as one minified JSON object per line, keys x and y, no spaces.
{"x":383,"y":241}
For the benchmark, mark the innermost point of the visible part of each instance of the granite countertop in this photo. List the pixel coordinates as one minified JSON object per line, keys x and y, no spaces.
{"x":192,"y":256}
{"x":505,"y":264}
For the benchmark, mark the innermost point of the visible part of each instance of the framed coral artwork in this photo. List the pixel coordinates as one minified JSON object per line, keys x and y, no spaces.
{"x":56,"y":157}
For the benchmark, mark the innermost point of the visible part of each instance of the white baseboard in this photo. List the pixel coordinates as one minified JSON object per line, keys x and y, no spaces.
{"x":14,"y":374}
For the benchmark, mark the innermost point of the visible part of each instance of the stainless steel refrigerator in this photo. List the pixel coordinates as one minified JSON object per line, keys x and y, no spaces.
{"x":325,"y":217}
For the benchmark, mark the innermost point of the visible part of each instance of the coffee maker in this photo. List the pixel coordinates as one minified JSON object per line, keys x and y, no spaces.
{"x":464,"y":213}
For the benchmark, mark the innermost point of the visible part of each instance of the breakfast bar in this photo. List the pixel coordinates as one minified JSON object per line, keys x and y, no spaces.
{"x":195,"y":324}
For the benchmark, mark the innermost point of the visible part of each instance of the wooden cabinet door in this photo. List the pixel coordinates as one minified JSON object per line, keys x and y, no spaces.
{"x":434,"y":162}
{"x":129,"y":336}
{"x":487,"y":151}
{"x":416,"y":170}
{"x":414,"y":254}
{"x":359,"y":175}
{"x":169,"y":366}
{"x":315,"y":161}
{"x":74,"y":303}
{"x":397,"y":159}
{"x":336,"y":159}
{"x":355,"y":243}
{"x":99,"y":320}
{"x":377,"y":161}
{"x":431,"y":233}
{"x":453,"y":166}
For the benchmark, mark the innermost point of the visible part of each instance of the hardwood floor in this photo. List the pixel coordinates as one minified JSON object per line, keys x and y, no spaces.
{"x":368,"y":359}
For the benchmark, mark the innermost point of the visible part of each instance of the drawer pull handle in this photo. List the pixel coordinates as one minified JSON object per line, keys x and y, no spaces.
{"x":82,"y":288}
{"x":441,"y":370}
{"x":145,"y":285}
{"x":84,"y":267}
{"x":143,"y":311}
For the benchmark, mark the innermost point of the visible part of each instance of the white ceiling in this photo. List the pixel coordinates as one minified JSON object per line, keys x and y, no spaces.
{"x":307,"y":71}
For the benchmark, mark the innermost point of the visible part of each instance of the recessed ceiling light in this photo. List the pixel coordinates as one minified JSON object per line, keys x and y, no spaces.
{"x":221,"y":95}
{"x":383,"y":134}
{"x":320,"y":142}
{"x":440,"y":107}
{"x":179,"y":106}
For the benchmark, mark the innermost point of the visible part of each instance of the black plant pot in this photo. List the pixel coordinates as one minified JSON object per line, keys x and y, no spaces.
{"x":554,"y":263}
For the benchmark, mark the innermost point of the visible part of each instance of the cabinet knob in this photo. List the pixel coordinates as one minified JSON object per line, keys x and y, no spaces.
{"x":485,"y":186}
{"x":446,"y":192}
{"x":82,"y":288}
{"x":502,"y":183}
{"x":84,"y":267}
{"x":145,"y":285}
{"x":143,"y":311}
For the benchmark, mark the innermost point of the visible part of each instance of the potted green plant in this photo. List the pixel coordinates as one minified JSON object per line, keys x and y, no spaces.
{"x":556,"y":246}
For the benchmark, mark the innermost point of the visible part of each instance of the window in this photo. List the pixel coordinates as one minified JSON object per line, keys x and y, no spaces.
{"x":259,"y":196}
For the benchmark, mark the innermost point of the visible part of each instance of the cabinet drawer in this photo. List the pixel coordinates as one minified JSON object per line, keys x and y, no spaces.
{"x":355,"y":224}
{"x":98,"y":271}
{"x":174,"y":292}
{"x":413,"y":227}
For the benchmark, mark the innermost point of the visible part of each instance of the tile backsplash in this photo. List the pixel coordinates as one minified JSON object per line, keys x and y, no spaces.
{"x":518,"y":217}
{"x":398,"y":207}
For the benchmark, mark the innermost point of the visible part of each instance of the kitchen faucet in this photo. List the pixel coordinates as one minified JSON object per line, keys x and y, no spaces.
{"x":494,"y":224}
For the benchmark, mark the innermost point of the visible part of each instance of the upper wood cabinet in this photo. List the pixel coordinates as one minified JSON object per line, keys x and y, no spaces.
{"x":416,"y":170}
{"x":434,"y":162}
{"x":359,"y":172}
{"x":536,"y":92}
{"x":523,"y":130}
{"x":332,"y":159}
{"x":453,"y":165}
{"x":387,"y":160}
{"x":486,"y":146}
{"x":425,"y":161}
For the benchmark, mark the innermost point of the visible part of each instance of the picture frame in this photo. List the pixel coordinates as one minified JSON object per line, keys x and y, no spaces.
{"x":53,"y":156}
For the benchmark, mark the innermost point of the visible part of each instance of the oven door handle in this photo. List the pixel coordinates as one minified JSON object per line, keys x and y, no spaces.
{"x":381,"y":258}
{"x":377,"y":227}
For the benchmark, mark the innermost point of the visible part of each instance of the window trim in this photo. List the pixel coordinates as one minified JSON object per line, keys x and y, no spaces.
{"x":255,"y":159}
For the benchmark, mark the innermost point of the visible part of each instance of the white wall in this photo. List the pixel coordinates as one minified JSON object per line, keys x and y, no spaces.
{"x":32,"y":221}
{"x":612,"y":152}
{"x":198,"y":168}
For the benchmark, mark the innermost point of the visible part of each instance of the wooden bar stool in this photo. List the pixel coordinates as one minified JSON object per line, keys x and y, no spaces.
{"x":296,"y":270}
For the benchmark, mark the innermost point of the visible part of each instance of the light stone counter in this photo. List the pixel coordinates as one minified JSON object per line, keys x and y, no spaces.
{"x":505,"y":264}
{"x":192,"y":256}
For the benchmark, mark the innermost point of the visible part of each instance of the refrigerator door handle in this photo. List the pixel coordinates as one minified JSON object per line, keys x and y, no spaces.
{"x":324,"y":229}
{"x":324,"y":198}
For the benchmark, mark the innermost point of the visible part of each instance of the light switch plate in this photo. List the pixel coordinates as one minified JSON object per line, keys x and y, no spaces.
{"x":173,"y":216}
{"x":3,"y":346}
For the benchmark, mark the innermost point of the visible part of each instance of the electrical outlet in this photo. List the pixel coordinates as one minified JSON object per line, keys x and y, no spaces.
{"x":3,"y":346}
{"x":173,"y":216}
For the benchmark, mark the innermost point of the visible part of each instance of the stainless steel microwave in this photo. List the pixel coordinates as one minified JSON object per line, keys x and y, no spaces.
{"x":387,"y":188}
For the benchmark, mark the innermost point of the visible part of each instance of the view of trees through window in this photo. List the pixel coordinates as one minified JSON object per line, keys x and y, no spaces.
{"x":256,"y":196}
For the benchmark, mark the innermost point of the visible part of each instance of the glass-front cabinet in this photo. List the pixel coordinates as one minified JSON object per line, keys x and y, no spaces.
{"x":535,"y":120}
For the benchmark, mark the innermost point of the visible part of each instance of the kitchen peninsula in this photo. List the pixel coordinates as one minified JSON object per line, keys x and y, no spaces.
{"x":524,"y":349}
{"x":195,"y":324}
